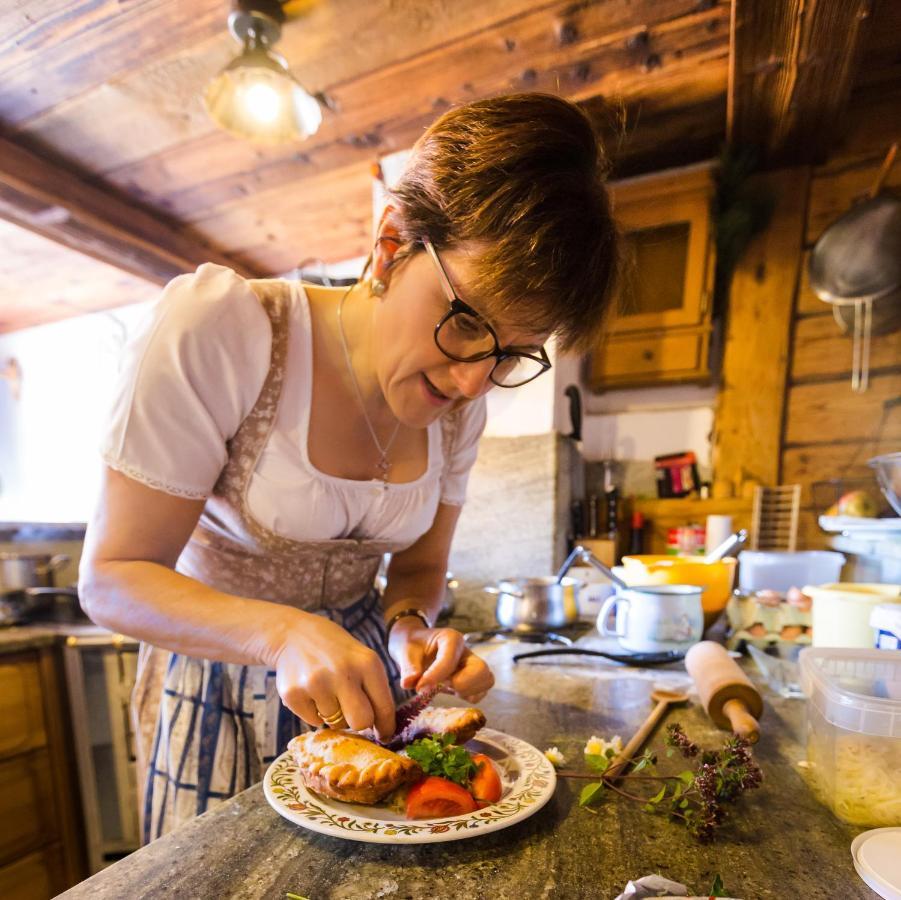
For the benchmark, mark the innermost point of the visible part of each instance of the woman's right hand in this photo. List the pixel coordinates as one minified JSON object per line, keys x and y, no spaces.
{"x":321,"y":669}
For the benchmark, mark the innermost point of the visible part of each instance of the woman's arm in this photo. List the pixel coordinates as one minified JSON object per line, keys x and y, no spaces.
{"x":416,"y":580}
{"x":127,"y":583}
{"x":417,"y":575}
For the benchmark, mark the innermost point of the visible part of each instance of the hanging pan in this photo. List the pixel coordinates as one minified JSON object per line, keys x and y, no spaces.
{"x":855,"y":265}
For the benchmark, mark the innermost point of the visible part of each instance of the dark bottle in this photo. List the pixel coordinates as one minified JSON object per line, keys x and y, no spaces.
{"x":636,"y":539}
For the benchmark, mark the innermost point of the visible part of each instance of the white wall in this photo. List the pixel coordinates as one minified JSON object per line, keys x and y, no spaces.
{"x":49,"y":465}
{"x":637,"y":424}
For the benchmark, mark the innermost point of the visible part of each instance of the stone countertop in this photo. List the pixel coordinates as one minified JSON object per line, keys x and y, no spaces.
{"x":782,"y":844}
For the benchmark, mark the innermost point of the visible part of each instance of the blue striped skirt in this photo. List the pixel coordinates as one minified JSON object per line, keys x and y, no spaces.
{"x":221,"y":724}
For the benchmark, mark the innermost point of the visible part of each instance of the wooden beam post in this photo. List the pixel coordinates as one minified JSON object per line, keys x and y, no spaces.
{"x":751,"y":399}
{"x":792,"y":66}
{"x":59,"y":204}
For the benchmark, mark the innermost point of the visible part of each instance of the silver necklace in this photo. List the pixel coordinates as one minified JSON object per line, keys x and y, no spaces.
{"x":383,"y":465}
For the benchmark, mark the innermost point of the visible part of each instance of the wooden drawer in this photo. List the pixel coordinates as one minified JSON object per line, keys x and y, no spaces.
{"x":649,"y":358}
{"x":38,"y":876}
{"x":28,"y":809}
{"x":21,"y":704}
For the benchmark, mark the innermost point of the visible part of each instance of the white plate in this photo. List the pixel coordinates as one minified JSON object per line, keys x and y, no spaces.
{"x":855,"y":525}
{"x":529,"y":781}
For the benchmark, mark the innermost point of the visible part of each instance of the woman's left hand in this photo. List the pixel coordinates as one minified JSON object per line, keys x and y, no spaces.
{"x":428,"y":657}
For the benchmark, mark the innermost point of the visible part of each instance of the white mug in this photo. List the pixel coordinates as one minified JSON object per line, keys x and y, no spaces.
{"x":655,"y":618}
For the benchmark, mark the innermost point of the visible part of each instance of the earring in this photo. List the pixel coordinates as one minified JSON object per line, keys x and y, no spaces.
{"x":377,"y":287}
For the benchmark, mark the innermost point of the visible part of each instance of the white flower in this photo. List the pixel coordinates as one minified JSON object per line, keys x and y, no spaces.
{"x":598,"y":746}
{"x":555,"y":756}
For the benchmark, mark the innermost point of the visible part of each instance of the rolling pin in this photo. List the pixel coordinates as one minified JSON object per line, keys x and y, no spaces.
{"x":726,"y":692}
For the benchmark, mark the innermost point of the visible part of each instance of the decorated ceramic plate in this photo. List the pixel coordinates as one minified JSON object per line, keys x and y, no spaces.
{"x":528,"y":777}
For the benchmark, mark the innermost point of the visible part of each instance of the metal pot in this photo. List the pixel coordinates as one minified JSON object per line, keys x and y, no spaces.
{"x":535,"y":603}
{"x":48,"y":604}
{"x":24,"y":570}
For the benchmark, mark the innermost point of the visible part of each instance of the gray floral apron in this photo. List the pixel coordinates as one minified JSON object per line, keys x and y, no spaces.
{"x":206,"y":730}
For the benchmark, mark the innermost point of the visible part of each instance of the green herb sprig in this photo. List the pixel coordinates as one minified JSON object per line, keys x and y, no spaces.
{"x":438,"y":755}
{"x":696,"y":797}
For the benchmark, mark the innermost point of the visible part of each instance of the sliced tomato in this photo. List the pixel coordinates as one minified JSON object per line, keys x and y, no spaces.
{"x":438,"y":798}
{"x":486,"y":783}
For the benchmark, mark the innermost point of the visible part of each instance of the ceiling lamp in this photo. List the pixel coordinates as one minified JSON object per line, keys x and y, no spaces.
{"x":255,"y":96}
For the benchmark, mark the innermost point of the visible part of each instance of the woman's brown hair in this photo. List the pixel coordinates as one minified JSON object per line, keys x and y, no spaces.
{"x":524,"y":174}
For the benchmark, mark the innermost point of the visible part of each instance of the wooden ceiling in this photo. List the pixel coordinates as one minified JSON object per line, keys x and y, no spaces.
{"x":107,"y":151}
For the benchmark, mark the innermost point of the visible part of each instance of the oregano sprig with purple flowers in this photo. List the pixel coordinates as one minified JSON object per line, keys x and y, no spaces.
{"x":697,"y":797}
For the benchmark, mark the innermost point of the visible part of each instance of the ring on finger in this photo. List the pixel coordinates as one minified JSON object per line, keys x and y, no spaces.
{"x":336,"y":718}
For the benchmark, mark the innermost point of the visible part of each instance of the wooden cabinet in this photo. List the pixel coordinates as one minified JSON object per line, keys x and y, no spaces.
{"x":661,"y":331}
{"x":41,"y":845}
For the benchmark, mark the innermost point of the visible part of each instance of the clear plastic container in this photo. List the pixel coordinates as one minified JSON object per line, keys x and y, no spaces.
{"x":770,"y":570}
{"x":854,"y":732}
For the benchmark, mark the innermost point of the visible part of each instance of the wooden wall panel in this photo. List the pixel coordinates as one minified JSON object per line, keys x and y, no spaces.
{"x":829,"y":412}
{"x":820,"y":350}
{"x":824,"y":462}
{"x":807,"y":302}
{"x":835,"y":190}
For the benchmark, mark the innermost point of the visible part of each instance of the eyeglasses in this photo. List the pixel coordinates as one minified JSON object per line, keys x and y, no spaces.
{"x":464,"y":336}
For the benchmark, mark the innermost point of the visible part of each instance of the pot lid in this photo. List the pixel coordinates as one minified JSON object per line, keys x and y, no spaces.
{"x":877,"y":858}
{"x":859,"y":255}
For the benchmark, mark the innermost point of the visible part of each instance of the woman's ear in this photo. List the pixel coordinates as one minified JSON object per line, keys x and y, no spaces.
{"x":387,"y":241}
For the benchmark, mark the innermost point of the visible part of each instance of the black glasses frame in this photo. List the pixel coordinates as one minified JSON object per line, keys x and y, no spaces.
{"x":458,"y":307}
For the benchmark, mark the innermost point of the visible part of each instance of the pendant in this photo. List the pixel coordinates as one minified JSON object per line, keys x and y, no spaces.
{"x":384,"y":467}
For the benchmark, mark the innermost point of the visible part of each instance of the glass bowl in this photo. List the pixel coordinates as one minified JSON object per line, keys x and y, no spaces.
{"x":888,"y":474}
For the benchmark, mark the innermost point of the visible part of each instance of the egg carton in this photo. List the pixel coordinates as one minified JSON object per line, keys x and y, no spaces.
{"x":763,"y":624}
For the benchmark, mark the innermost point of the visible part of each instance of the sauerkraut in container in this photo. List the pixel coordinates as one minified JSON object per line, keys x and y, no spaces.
{"x":854,"y":731}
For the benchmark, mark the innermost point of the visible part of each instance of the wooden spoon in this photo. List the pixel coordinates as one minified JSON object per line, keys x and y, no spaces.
{"x":664,"y":699}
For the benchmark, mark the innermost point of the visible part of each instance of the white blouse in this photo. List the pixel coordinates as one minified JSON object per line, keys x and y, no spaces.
{"x":193,"y":372}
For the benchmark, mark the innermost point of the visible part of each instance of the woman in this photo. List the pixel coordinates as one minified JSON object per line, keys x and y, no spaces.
{"x":270,"y":442}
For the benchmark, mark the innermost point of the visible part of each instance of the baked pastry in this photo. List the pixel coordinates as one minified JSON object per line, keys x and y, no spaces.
{"x":348,"y":767}
{"x":461,"y":722}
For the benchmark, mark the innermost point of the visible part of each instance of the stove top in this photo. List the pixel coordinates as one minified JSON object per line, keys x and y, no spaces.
{"x":498,"y":635}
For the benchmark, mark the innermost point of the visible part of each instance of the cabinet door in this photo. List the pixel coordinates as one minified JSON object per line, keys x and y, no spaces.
{"x":664,"y":280}
{"x":38,"y":876}
{"x":27,"y":806}
{"x":21,"y":704}
{"x":666,"y":238}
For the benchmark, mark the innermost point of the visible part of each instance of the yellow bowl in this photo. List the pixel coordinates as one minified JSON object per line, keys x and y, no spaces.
{"x":716,"y":578}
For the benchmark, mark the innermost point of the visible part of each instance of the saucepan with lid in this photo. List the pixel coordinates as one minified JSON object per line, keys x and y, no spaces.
{"x":23,"y":570}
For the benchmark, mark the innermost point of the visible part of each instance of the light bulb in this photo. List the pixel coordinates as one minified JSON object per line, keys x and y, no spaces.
{"x":262,"y":101}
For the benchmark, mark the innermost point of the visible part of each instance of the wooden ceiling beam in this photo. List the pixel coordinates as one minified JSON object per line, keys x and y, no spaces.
{"x":59,"y":204}
{"x":792,"y":69}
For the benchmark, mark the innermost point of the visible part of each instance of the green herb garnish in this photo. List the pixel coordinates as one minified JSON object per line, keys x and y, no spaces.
{"x":697,"y":797}
{"x":438,"y":755}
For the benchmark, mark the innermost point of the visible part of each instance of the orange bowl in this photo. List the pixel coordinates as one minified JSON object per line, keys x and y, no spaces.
{"x":715,"y":578}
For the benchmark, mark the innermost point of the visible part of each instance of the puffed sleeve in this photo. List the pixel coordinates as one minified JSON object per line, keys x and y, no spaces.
{"x":461,"y":449}
{"x":189,"y":377}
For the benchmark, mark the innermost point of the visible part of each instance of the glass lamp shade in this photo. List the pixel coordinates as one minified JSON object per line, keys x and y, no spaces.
{"x":257,"y":98}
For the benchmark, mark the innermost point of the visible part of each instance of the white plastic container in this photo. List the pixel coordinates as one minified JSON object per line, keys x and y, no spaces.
{"x":841,"y":612}
{"x":854,"y":732}
{"x":768,"y":570}
{"x":885,"y":620}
